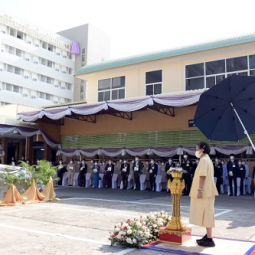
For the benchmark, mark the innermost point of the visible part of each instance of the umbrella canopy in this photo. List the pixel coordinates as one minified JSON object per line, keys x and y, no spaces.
{"x":227,"y":109}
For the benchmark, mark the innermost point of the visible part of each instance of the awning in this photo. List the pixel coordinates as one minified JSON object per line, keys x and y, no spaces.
{"x":118,"y":108}
{"x":27,"y":132}
{"x":160,"y":151}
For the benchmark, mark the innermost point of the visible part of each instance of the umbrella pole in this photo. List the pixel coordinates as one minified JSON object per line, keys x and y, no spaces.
{"x":245,"y":131}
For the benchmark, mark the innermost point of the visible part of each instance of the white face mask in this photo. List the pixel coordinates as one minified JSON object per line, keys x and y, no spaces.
{"x":125,"y":161}
{"x":216,"y":160}
{"x":198,"y":154}
{"x":71,"y":162}
{"x":60,"y":162}
{"x":170,"y":161}
{"x":136,"y":159}
{"x":232,"y":158}
{"x":83,"y":162}
{"x":152,"y":162}
{"x":185,"y":156}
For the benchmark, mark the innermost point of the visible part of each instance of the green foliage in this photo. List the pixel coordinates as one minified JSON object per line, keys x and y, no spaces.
{"x":9,"y":178}
{"x":44,"y":172}
{"x":40,"y":173}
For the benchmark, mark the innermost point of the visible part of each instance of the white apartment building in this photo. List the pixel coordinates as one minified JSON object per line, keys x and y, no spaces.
{"x":36,"y":67}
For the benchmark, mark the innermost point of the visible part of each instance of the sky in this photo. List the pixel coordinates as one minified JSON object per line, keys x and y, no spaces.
{"x":141,"y":26}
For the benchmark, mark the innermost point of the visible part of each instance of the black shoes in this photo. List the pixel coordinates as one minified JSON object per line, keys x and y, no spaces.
{"x":202,"y":239}
{"x":205,"y":242}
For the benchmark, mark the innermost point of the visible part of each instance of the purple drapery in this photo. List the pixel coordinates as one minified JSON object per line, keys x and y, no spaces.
{"x":174,"y":100}
{"x":27,"y":132}
{"x":159,"y":151}
{"x":75,"y":48}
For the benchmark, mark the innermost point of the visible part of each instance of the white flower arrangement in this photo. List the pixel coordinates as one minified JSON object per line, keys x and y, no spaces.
{"x":132,"y":233}
{"x":136,"y":232}
{"x":176,"y":170}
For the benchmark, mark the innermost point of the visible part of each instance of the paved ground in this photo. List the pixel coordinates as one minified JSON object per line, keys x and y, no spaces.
{"x":80,"y":222}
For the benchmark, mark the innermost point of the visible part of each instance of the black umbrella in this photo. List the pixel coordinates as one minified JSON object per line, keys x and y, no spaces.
{"x":226,"y":112}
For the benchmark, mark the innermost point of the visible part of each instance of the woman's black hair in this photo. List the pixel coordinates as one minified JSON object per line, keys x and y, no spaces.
{"x":204,"y":146}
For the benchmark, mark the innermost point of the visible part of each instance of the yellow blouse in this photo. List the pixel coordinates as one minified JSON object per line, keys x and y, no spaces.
{"x":204,"y":168}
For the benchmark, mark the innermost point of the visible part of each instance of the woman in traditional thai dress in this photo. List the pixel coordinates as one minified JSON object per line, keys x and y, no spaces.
{"x":203,"y":192}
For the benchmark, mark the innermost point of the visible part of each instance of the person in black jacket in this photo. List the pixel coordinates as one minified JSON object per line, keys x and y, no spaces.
{"x":187,"y":165}
{"x":125,"y":169}
{"x":109,"y":168}
{"x":153,"y":170}
{"x":232,"y":174}
{"x":138,"y":168}
{"x":241,"y":174}
{"x":218,"y":173}
{"x":83,"y":171}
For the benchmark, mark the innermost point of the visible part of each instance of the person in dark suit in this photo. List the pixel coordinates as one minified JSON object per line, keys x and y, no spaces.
{"x":241,"y":174}
{"x":218,"y":173}
{"x":187,"y":165}
{"x":232,"y":174}
{"x":125,"y":169}
{"x":109,"y":168}
{"x":83,"y":171}
{"x":153,"y":170}
{"x":138,"y":168}
{"x":168,"y":165}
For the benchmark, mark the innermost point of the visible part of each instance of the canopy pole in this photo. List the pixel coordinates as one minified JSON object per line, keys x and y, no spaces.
{"x":245,"y":131}
{"x":26,"y":149}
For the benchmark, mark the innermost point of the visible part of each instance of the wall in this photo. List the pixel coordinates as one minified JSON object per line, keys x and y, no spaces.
{"x":142,"y":121}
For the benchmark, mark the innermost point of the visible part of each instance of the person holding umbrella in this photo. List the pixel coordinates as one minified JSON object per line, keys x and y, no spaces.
{"x":202,"y":194}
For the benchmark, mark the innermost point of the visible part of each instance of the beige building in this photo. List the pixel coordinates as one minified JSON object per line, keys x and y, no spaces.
{"x":193,"y":67}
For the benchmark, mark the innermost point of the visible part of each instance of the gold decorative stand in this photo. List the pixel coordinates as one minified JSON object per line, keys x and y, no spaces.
{"x":175,"y":231}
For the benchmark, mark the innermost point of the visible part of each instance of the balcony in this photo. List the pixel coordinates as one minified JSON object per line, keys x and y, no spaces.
{"x":35,"y":50}
{"x":27,"y":64}
{"x":35,"y":85}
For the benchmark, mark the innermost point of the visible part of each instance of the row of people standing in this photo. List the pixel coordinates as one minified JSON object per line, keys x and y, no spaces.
{"x":152,"y":169}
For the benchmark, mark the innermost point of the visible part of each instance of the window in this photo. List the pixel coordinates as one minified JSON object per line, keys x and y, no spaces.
{"x":237,"y":64}
{"x":153,"y":82}
{"x":17,"y":70}
{"x":50,"y":47}
{"x":208,"y":74}
{"x":68,"y":86}
{"x":194,"y":70}
{"x":111,"y":89}
{"x":83,"y":55}
{"x":49,"y":63}
{"x":196,"y":83}
{"x":18,"y":53}
{"x":48,"y":97}
{"x":48,"y":80}
{"x":8,"y":87}
{"x":15,"y":88}
{"x":215,"y":67}
{"x":20,"y":35}
{"x":41,"y":95}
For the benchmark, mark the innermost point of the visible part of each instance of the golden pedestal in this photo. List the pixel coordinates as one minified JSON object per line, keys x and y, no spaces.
{"x":175,"y":231}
